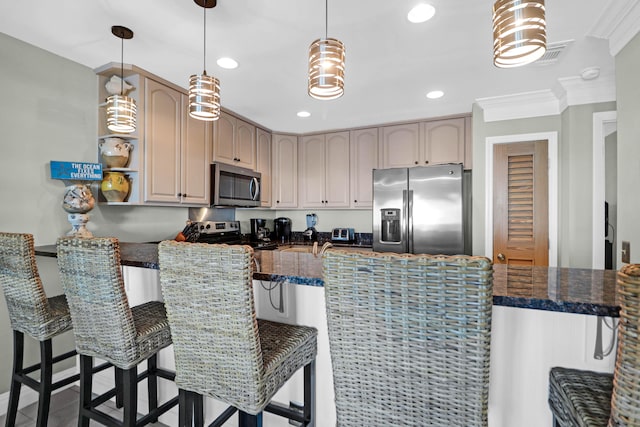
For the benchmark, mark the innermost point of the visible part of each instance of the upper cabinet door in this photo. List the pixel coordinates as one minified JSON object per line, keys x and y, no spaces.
{"x":195,"y":155}
{"x":336,"y":170}
{"x":400,"y":145}
{"x":263,"y":165}
{"x":162,"y":122}
{"x":443,"y":141}
{"x":363,"y":159}
{"x":245,"y":145}
{"x":285,"y":171}
{"x":312,"y":171}
{"x":224,"y":142}
{"x":235,"y":142}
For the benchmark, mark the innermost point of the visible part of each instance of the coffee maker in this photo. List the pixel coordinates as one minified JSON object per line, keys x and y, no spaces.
{"x":259,"y":230}
{"x":282,"y":228}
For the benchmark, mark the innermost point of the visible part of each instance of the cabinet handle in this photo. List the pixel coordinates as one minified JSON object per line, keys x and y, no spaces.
{"x":277,"y":201}
{"x":426,"y":162}
{"x":184,"y":195}
{"x":417,"y":162}
{"x":355,"y":201}
{"x":179,"y":194}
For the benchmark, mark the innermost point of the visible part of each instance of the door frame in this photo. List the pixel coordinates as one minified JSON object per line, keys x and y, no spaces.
{"x":552,"y":147}
{"x":602,"y":125}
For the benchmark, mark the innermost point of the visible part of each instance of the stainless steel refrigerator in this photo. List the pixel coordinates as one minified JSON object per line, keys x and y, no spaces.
{"x":419,"y":210}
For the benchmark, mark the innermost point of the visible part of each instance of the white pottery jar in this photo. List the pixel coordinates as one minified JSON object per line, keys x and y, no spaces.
{"x":115,"y":152}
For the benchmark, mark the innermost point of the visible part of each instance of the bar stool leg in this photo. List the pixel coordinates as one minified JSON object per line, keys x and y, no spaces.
{"x":198,"y":409}
{"x":44,"y":390}
{"x":130,"y":393}
{"x":152,"y":384}
{"x":248,"y":420}
{"x":118,"y":380}
{"x":14,"y":394}
{"x":184,"y":409}
{"x":309,"y":393}
{"x":86,"y":379}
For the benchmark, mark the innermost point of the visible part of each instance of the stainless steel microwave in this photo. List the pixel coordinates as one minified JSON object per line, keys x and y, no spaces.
{"x":234,"y":186}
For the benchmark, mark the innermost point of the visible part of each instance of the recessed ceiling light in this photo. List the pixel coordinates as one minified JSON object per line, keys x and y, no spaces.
{"x":304,"y":114}
{"x":421,"y":13}
{"x":435,"y":94}
{"x":227,"y":63}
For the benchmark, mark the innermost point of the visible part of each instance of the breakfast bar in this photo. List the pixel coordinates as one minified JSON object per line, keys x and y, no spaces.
{"x":567,"y":290}
{"x":542,"y":317}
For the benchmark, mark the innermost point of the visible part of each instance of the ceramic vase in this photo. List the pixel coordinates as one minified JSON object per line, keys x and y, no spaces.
{"x":115,"y":152}
{"x":115,"y":186}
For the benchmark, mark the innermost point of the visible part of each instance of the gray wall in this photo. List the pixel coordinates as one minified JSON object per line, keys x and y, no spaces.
{"x":48,"y":111}
{"x":628,"y":96}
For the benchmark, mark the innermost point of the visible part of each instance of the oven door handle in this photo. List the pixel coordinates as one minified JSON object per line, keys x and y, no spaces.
{"x":254,"y":189}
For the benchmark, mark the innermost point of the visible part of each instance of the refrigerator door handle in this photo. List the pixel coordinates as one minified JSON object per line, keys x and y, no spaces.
{"x":409,"y":211}
{"x":403,"y":221}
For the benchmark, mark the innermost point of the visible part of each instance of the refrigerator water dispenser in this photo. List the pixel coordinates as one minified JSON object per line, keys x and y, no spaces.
{"x":390,"y":226}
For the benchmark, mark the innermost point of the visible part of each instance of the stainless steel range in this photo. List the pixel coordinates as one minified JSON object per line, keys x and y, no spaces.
{"x":226,"y":232}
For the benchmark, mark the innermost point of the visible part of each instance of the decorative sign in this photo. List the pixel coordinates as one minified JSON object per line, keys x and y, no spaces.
{"x":76,"y":171}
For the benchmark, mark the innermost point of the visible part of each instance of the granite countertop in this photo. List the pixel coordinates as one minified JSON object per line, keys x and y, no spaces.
{"x":569,"y":290}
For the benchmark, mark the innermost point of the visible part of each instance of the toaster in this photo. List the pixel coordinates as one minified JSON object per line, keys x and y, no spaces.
{"x":342,"y":235}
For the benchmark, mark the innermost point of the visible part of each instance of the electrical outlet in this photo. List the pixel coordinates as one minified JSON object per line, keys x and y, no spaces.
{"x":626,"y":252}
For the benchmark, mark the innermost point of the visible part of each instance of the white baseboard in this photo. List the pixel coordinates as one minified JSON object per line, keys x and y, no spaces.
{"x":29,"y":396}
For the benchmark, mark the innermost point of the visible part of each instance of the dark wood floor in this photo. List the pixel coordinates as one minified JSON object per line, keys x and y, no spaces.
{"x":63,"y":413}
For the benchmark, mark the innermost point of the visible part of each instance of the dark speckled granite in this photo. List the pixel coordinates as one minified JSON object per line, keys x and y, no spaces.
{"x":143,"y":255}
{"x":569,"y":290}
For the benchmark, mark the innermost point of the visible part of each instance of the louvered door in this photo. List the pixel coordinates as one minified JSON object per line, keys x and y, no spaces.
{"x":520,"y":211}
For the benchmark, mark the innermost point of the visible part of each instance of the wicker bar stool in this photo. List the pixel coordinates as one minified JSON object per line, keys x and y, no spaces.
{"x":594,"y":399}
{"x":31,"y":313}
{"x":409,"y":337}
{"x":107,"y":328}
{"x":221,"y":350}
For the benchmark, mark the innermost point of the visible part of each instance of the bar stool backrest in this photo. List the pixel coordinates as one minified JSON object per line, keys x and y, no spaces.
{"x":92,"y":280}
{"x":29,"y":310}
{"x":625,"y":402}
{"x":409,"y":337}
{"x":208,"y":293}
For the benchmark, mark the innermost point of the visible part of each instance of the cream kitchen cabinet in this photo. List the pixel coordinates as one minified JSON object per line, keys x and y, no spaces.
{"x":425,"y":143}
{"x":324,"y":170}
{"x":234,"y":142}
{"x":443,"y":141}
{"x":400,"y":145}
{"x":263,"y":165}
{"x":285,"y":171}
{"x":177,"y":151}
{"x":363,"y":159}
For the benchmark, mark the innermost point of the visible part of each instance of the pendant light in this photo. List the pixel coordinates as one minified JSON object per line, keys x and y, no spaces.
{"x":326,"y":65}
{"x":121,"y":109}
{"x":519,"y":32}
{"x":204,"y":90}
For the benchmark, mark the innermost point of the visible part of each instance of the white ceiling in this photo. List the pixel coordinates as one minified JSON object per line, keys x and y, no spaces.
{"x":390,"y":64}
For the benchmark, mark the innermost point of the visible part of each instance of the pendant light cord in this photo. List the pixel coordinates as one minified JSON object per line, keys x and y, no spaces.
{"x":122,"y":66}
{"x":204,"y":60}
{"x":326,"y":18}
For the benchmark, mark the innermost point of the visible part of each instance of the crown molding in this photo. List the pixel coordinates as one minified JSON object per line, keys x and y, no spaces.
{"x":568,"y":91}
{"x":578,"y":91}
{"x":520,"y":105}
{"x":619,"y":23}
